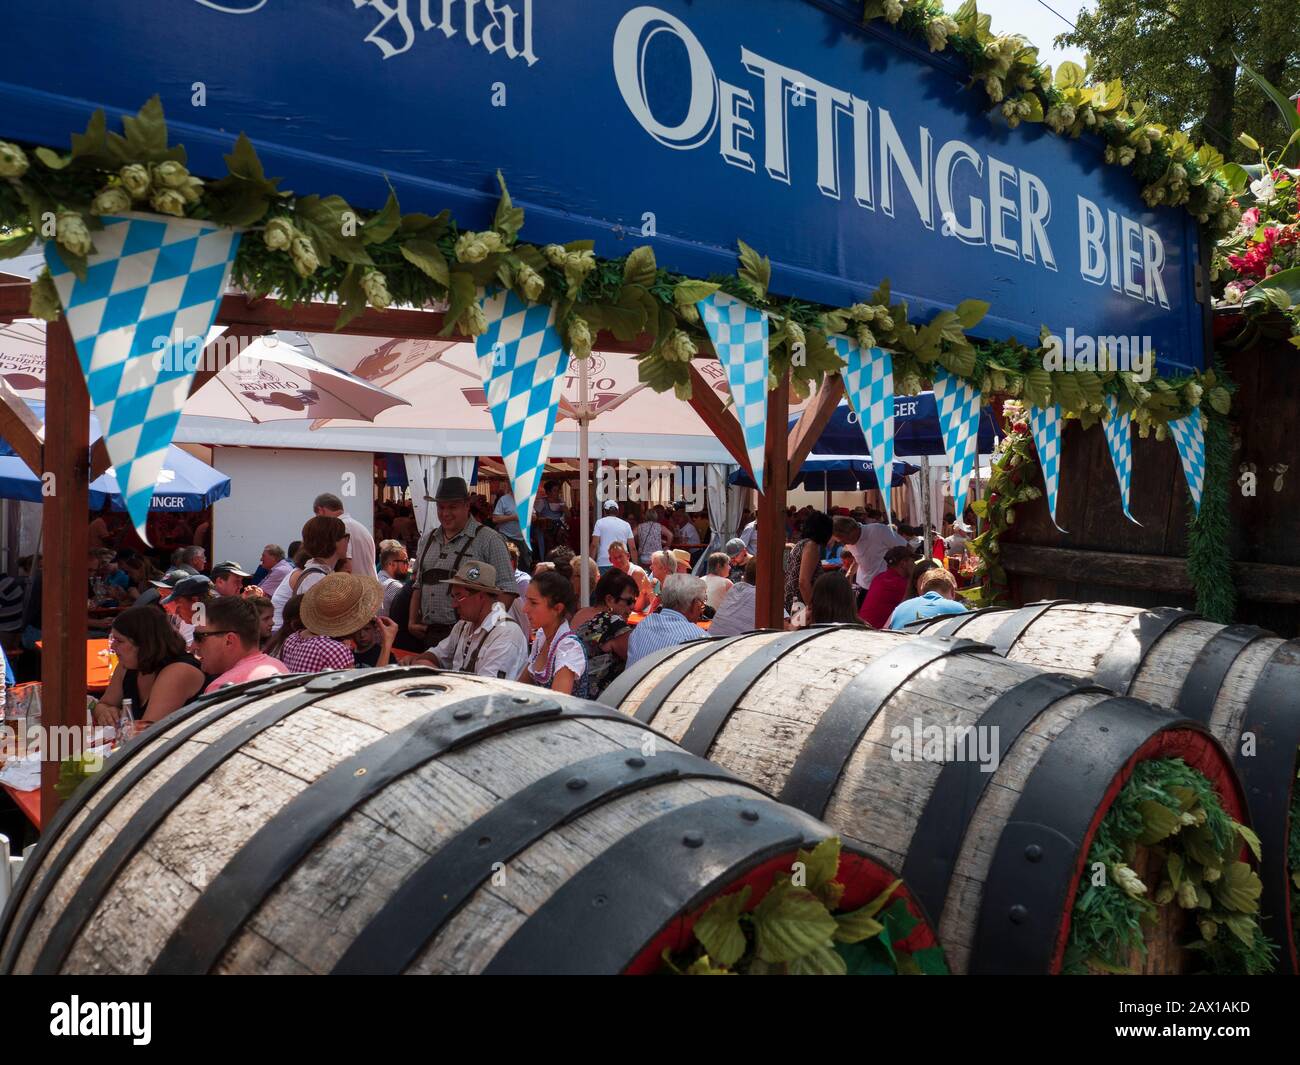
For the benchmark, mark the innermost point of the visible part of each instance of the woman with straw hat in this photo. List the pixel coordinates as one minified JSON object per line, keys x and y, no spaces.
{"x":338,"y":613}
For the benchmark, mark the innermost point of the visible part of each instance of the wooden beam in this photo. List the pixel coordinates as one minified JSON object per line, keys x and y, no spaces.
{"x":812,"y":423}
{"x":769,"y":597}
{"x":99,"y":458}
{"x":63,"y":578}
{"x":1254,"y":581}
{"x":713,"y":413}
{"x":15,"y":298}
{"x":20,"y":426}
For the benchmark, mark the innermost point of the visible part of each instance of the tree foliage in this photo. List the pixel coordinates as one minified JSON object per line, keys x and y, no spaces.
{"x":1181,"y":57}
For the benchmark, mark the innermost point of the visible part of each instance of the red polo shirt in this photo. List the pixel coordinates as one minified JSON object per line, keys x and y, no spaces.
{"x":888,"y":589}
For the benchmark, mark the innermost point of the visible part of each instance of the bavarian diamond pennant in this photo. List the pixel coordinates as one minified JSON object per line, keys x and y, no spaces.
{"x":1189,"y":436}
{"x":1119,"y":439}
{"x":959,"y":419}
{"x":739,"y":334}
{"x":522,"y":363}
{"x":151,"y":293}
{"x":869,"y":385}
{"x":1045,"y":423}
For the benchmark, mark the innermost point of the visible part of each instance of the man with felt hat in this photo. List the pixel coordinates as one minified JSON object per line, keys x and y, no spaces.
{"x":486,"y":640}
{"x":456,"y":540}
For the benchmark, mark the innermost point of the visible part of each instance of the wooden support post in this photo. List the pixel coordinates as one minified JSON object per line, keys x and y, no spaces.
{"x":63,"y":604}
{"x":769,"y":599}
{"x":63,"y":578}
{"x":812,"y":423}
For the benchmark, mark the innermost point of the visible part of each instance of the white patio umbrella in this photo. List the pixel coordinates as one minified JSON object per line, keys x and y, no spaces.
{"x":281,"y":377}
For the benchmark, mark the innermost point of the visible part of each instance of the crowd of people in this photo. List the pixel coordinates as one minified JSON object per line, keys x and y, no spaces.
{"x":471,"y":595}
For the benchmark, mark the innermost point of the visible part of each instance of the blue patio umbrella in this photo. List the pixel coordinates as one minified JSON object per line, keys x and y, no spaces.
{"x":845,"y":473}
{"x":916,"y":430}
{"x":185,"y":483}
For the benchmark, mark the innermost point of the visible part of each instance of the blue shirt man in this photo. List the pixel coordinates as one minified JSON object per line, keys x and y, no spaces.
{"x":927,"y":605}
{"x":682,"y":599}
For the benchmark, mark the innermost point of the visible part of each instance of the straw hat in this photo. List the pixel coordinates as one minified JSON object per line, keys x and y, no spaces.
{"x":340,"y":604}
{"x":681,"y":555}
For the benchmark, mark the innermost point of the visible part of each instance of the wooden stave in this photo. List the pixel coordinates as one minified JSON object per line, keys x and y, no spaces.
{"x":1164,"y":678}
{"x":771,"y":765}
{"x":250,"y":948}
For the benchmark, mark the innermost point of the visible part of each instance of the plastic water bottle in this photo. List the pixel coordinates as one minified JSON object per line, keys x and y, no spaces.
{"x":124,"y":721}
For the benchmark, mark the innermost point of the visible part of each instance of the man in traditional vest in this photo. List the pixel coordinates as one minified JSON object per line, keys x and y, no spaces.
{"x":486,"y":640}
{"x":457,"y":539}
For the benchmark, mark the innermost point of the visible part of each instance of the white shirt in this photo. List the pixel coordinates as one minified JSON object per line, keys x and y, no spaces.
{"x":688,"y":535}
{"x":718,"y":586}
{"x":609,"y":529}
{"x":502,"y":648}
{"x":361,"y":547}
{"x":517,"y":607}
{"x":286,"y":591}
{"x":955,"y":544}
{"x":750,"y":535}
{"x":869,"y":551}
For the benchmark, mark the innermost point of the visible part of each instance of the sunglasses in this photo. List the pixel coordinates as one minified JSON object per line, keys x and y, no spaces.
{"x":212,"y":632}
{"x":628,"y":602}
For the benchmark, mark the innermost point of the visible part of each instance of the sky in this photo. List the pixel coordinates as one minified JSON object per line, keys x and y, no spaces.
{"x":1033,"y":20}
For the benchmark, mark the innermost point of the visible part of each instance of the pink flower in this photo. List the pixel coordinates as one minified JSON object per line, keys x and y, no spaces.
{"x":1249,"y":220}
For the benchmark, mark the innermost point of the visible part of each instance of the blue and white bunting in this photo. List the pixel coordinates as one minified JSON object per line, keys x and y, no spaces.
{"x":522,"y":362}
{"x":1119,"y":440}
{"x":1045,"y":423}
{"x":1189,"y":436}
{"x":958,"y":402}
{"x":869,"y":386}
{"x":151,"y":293}
{"x":740,"y":333}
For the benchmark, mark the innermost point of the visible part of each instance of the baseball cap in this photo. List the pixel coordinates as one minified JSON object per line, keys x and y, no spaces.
{"x":172,"y":577}
{"x":229,"y":567}
{"x":611,"y":505}
{"x":197,"y":587}
{"x":735,"y":546}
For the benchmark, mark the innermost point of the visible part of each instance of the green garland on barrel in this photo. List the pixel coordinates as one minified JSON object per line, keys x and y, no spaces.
{"x":796,"y":930}
{"x":1173,"y":809}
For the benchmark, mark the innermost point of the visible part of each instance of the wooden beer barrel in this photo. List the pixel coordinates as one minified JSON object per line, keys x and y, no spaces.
{"x":400,"y":820}
{"x":995,"y":857}
{"x":1241,"y":681}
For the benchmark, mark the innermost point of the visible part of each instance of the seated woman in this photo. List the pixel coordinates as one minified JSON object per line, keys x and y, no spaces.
{"x":154,"y":671}
{"x":833,"y":601}
{"x":338,"y":613}
{"x":557,"y":659}
{"x":603,"y":629}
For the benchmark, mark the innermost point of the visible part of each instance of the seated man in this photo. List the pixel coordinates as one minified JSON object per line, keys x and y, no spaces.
{"x":486,"y":640}
{"x":228,"y":578}
{"x":187,"y":594}
{"x":739,"y":555}
{"x":227,"y":643}
{"x":681,"y":606}
{"x":936,"y":595}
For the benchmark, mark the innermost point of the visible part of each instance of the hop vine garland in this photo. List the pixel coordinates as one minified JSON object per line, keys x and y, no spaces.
{"x":1172,"y":808}
{"x":1173,"y":171}
{"x":797,"y":929}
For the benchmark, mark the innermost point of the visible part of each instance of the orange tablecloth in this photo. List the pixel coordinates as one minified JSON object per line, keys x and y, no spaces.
{"x":635,"y":618}
{"x":97,"y":671}
{"x":28,"y":801}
